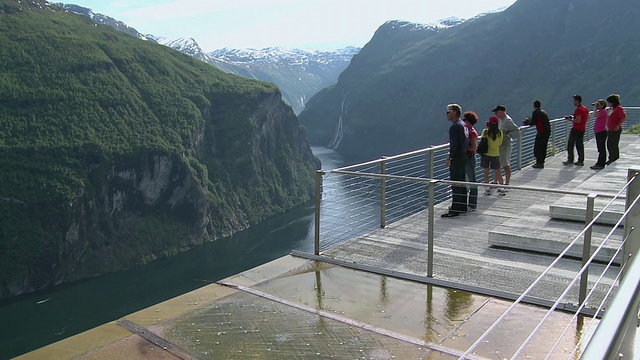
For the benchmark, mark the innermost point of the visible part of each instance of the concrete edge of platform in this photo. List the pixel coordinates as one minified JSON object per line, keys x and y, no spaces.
{"x":111,"y":333}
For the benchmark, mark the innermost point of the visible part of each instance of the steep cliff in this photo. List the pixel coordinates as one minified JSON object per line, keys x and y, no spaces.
{"x":392,"y":96}
{"x":115,"y":151}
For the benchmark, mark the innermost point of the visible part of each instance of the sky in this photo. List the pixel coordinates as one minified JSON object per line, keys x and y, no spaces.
{"x":301,"y":24}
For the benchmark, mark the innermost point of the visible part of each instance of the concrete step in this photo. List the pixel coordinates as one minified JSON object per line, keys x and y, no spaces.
{"x":552,"y":236}
{"x":573,"y":211}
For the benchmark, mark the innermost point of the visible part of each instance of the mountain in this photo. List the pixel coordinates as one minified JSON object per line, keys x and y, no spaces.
{"x":105,"y":20}
{"x":116,"y":151}
{"x":392,"y":96}
{"x":298,"y":73}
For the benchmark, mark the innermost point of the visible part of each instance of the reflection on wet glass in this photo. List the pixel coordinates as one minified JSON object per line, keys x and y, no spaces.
{"x":247,"y":325}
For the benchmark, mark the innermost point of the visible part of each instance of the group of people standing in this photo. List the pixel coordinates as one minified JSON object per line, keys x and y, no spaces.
{"x":501,"y":129}
{"x":607,"y":129}
{"x":463,"y":139}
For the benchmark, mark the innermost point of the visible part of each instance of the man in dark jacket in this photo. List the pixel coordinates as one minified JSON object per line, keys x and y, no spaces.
{"x":457,"y":160}
{"x":540,"y":119}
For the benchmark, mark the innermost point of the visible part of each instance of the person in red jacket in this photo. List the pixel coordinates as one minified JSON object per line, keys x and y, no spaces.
{"x":576,"y":136}
{"x":614,"y":127}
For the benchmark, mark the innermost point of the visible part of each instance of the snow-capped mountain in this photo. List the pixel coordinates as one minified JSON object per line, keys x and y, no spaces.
{"x":186,"y":45}
{"x":299,"y":74}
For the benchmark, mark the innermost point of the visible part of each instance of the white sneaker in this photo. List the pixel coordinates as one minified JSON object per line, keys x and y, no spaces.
{"x":502,"y":191}
{"x":487,"y":191}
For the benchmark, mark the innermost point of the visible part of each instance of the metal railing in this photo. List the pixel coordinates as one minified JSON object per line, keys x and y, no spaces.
{"x":357,"y":199}
{"x":345,"y":205}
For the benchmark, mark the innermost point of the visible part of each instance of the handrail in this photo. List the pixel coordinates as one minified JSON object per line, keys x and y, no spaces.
{"x":405,"y":169}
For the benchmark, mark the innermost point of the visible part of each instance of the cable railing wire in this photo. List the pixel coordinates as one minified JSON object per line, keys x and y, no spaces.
{"x":538,"y":280}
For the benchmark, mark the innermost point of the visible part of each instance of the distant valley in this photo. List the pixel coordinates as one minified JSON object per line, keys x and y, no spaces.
{"x":299,"y":74}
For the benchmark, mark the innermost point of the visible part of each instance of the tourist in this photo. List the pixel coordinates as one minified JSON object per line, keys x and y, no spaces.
{"x":457,"y":160}
{"x":509,"y":131}
{"x":470,"y":119}
{"x":600,"y":130}
{"x":576,"y":135}
{"x":614,"y":127}
{"x":540,"y":119}
{"x":491,"y":159}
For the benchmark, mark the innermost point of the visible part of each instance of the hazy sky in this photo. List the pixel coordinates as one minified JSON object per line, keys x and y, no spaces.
{"x":304,"y":24}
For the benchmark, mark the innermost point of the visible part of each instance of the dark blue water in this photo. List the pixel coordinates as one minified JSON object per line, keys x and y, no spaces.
{"x":35,"y":320}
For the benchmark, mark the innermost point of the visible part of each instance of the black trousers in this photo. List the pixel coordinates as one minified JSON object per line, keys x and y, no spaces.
{"x":613,"y":143}
{"x":457,"y":172}
{"x":540,"y":146}
{"x":576,"y":139}
{"x":601,"y":142}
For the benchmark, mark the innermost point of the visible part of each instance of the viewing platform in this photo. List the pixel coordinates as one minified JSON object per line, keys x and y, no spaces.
{"x":369,"y":296}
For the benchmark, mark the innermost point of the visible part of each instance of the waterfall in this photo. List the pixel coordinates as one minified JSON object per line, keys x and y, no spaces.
{"x":339,"y":133}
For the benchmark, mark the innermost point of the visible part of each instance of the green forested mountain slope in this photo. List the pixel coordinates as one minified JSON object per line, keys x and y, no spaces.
{"x":115,"y":151}
{"x":536,"y":49}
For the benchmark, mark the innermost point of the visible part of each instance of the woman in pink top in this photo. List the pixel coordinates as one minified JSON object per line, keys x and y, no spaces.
{"x":614,"y":127}
{"x":600,"y":129}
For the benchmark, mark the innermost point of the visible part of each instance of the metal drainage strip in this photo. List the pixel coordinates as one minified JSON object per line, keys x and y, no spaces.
{"x":157,"y":340}
{"x":355,"y":323}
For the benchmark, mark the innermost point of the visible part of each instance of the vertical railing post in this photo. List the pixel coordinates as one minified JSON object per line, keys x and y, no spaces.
{"x":432,"y":205}
{"x":632,"y":221}
{"x":383,"y":193}
{"x":586,"y":249}
{"x":431,"y":159}
{"x":316,"y":244}
{"x":553,"y":139}
{"x":520,"y":131}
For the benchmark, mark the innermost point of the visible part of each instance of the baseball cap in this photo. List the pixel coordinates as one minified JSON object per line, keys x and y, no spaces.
{"x":499,"y":107}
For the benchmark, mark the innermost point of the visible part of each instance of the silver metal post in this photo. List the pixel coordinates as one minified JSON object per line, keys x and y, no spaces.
{"x":553,"y":141}
{"x":432,"y":205}
{"x":586,"y":249}
{"x":632,"y":221}
{"x":520,"y":150}
{"x":431,"y":156}
{"x":316,"y":245}
{"x":383,"y":194}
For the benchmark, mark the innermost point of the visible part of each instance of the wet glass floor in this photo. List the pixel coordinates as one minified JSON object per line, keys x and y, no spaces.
{"x":323,"y":311}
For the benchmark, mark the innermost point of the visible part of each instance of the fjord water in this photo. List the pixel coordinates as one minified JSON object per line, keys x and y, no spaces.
{"x":35,"y":320}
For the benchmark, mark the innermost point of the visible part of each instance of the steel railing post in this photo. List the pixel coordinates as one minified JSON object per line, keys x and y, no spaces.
{"x":553,"y":140}
{"x":520,"y":149}
{"x":586,"y":249}
{"x":632,"y":221}
{"x":316,"y":245}
{"x":383,"y":193}
{"x":431,"y":157}
{"x":432,"y":206}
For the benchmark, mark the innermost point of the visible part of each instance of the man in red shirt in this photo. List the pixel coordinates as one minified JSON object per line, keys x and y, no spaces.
{"x":614,"y":127}
{"x":576,"y":136}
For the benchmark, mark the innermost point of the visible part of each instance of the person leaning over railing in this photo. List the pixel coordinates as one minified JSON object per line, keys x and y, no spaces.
{"x":614,"y":127}
{"x":540,"y":119}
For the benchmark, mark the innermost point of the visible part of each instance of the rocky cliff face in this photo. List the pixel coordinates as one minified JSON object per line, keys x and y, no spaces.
{"x":133,"y":210}
{"x":117,"y":151}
